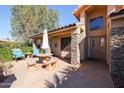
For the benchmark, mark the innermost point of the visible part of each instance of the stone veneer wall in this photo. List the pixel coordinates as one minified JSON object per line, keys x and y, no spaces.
{"x":117,"y":56}
{"x":75,"y":52}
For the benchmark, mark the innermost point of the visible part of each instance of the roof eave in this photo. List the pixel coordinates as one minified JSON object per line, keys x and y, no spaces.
{"x":70,"y":26}
{"x":76,"y":12}
{"x":80,"y":8}
{"x":34,"y":35}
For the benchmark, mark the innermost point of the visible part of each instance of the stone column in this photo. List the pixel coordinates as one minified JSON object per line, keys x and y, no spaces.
{"x":117,"y":51}
{"x":117,"y":56}
{"x":75,"y":52}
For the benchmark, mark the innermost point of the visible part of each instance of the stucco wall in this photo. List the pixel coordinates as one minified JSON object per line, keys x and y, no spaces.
{"x":97,"y":12}
{"x":85,"y":17}
{"x":83,"y":43}
{"x":66,"y":52}
{"x":56,"y":46}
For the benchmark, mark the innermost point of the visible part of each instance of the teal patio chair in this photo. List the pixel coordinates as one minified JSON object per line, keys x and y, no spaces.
{"x":17,"y":53}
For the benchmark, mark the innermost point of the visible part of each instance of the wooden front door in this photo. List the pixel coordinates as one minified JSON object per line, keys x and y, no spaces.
{"x":98,"y":47}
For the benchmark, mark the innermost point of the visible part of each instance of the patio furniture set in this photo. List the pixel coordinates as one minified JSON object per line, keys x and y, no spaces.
{"x":45,"y":60}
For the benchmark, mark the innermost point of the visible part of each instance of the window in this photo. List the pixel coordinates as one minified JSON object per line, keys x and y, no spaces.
{"x":96,"y":23}
{"x":65,"y":42}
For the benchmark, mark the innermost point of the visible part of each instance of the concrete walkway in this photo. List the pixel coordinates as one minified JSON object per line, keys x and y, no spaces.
{"x":90,"y":74}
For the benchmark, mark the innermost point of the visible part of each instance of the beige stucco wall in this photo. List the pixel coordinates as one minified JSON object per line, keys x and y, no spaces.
{"x":65,"y":53}
{"x":85,"y":16}
{"x":82,"y":44}
{"x":56,"y":46}
{"x":108,"y":41}
{"x":97,"y":12}
{"x":55,"y":38}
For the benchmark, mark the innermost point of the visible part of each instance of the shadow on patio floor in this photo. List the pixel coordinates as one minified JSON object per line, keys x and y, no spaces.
{"x":6,"y":81}
{"x":91,"y":74}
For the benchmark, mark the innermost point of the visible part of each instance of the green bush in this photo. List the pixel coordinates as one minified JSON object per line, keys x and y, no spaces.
{"x":5,"y":50}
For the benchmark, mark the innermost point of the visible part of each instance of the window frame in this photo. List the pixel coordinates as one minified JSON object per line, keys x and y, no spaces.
{"x":65,"y":41}
{"x":94,"y":29}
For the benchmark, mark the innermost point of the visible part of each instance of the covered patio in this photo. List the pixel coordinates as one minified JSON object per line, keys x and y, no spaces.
{"x":65,"y":42}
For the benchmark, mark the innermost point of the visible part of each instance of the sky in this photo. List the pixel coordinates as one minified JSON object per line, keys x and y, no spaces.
{"x":65,"y":17}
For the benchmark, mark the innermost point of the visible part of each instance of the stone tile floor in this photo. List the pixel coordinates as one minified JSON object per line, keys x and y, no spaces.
{"x":91,"y":74}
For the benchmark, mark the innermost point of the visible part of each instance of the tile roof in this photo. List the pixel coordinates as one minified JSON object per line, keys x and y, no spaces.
{"x":116,"y":13}
{"x":56,"y":29}
{"x":62,"y":27}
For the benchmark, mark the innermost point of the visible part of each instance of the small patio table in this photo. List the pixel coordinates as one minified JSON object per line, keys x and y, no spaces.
{"x":44,"y":56}
{"x":28,"y":54}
